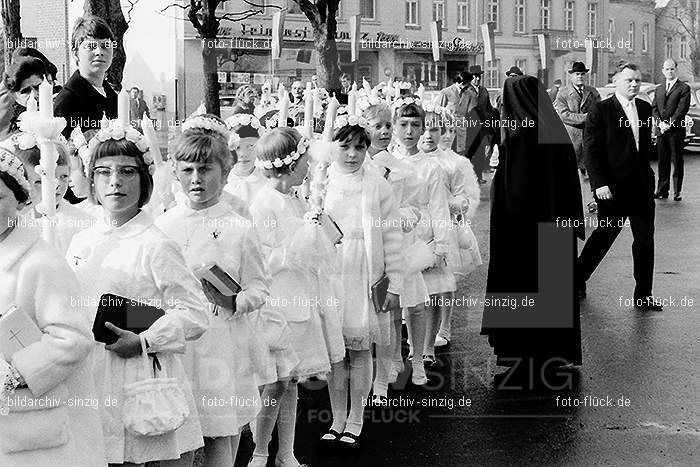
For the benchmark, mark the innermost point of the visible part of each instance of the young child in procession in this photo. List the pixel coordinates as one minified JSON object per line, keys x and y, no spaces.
{"x":298,"y":266}
{"x":362,"y":203}
{"x":245,"y":179}
{"x":220,"y":363}
{"x":437,"y":121}
{"x":429,"y":194}
{"x":79,"y":165}
{"x":126,"y":255}
{"x":68,"y":219}
{"x":462,"y":207}
{"x":413,"y":294}
{"x":34,"y":429}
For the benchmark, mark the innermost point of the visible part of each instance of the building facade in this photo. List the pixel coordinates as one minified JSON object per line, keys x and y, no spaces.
{"x":631,"y":36}
{"x":673,"y":39}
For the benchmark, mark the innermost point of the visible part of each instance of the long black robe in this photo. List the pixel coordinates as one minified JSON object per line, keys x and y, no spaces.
{"x":536,"y":182}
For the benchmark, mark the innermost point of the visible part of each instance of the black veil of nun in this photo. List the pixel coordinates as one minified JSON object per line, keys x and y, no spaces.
{"x":536,"y":182}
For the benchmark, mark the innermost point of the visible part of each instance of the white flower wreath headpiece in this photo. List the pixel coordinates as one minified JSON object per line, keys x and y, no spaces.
{"x":436,"y":109}
{"x":405,"y":85}
{"x":345,"y":119}
{"x":12,"y":165}
{"x":238,"y":120}
{"x":272,"y":122}
{"x":401,"y":101}
{"x":242,"y":120}
{"x":201,"y":121}
{"x":116,"y":130}
{"x":277,"y":163}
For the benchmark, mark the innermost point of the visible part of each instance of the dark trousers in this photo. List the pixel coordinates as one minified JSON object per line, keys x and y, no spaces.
{"x":611,"y":219}
{"x":670,"y":147}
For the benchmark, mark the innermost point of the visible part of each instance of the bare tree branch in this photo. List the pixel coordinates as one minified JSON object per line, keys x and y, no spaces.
{"x":184,"y":7}
{"x":311,"y":12}
{"x":241,"y":16}
{"x":132,"y":4}
{"x":255,"y":5}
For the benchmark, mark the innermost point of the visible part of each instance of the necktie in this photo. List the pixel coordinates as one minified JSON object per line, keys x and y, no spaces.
{"x":668,"y":87}
{"x":634,"y":121}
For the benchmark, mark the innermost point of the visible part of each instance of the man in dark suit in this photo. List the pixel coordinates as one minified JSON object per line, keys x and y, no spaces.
{"x":617,"y":146}
{"x":484,"y":110}
{"x":671,"y":103}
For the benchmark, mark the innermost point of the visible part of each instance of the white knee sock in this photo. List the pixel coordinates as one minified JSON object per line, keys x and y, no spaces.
{"x":360,"y":385}
{"x":286,"y":425}
{"x":416,"y":320}
{"x":338,"y":392}
{"x":267,"y":417}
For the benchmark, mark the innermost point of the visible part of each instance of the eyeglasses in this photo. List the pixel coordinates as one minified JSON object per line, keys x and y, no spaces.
{"x":128,"y":172}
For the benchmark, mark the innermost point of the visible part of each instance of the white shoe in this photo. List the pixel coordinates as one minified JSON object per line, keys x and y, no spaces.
{"x":418,"y":377}
{"x":441,"y":341}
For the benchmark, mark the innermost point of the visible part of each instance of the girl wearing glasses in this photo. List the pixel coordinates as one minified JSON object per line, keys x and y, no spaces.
{"x":126,"y":255}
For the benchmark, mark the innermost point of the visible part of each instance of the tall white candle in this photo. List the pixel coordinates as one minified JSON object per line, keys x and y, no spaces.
{"x":45,"y":100}
{"x":309,"y":109}
{"x":284,"y":111}
{"x":352,"y":99}
{"x":104,"y":123}
{"x":331,"y":112}
{"x":123,"y":107}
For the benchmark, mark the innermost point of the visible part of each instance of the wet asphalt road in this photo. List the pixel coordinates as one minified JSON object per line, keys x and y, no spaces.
{"x":647,"y":365}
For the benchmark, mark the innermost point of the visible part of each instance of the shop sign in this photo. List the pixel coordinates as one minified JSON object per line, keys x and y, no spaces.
{"x":222,"y":76}
{"x":260,"y":78}
{"x":240,"y":78}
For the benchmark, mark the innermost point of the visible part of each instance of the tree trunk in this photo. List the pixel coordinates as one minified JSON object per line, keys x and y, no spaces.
{"x":324,"y":26}
{"x":327,"y":67}
{"x":11,"y":29}
{"x":111,"y":12}
{"x":211,"y":79}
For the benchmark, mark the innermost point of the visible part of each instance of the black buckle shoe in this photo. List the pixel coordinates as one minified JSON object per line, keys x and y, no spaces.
{"x":677,"y":197}
{"x":658,"y":195}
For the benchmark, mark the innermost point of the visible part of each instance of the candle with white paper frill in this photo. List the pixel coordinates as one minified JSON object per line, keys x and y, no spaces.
{"x":32,"y":106}
{"x":281,"y":92}
{"x":352,"y":99}
{"x":388,"y":90}
{"x":123,"y":108}
{"x":284,"y":111}
{"x":45,"y":100}
{"x":331,"y":112}
{"x":104,"y":123}
{"x":309,"y":109}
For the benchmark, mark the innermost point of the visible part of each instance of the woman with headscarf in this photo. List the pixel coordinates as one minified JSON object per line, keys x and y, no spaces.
{"x":23,"y":75}
{"x":535,"y":193}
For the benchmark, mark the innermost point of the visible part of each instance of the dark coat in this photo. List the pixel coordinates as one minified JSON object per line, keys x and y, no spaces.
{"x":611,"y":156}
{"x":81,"y":104}
{"x":672,"y":107}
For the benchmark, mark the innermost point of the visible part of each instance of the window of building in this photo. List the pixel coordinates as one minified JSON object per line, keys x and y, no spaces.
{"x":669,"y":47}
{"x":520,"y":16}
{"x":493,"y":14}
{"x":569,"y":15}
{"x":545,"y":14}
{"x":367,"y":8}
{"x":439,"y":11}
{"x":464,"y":19}
{"x":522,"y":64}
{"x":645,"y":37}
{"x":412,"y":12}
{"x":493,"y":74}
{"x":611,"y":29}
{"x":683,"y":52}
{"x":630,"y":36}
{"x":592,"y":19}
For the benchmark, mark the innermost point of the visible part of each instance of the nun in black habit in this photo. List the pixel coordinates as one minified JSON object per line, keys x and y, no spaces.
{"x":535,"y":187}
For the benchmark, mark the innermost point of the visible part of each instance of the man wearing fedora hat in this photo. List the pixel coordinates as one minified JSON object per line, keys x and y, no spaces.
{"x":480,"y":140}
{"x":514,"y":71}
{"x":572,"y":104}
